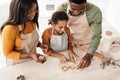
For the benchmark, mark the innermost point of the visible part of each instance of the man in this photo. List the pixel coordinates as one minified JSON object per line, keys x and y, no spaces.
{"x":85,"y":23}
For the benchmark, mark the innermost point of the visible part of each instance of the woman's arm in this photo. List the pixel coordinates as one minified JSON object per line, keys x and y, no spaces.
{"x":8,"y":41}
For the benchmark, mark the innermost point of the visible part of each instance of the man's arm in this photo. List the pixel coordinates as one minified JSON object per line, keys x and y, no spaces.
{"x":96,"y":29}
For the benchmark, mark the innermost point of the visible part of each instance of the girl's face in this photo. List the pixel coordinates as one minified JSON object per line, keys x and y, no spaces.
{"x":32,"y":12}
{"x":59,"y":27}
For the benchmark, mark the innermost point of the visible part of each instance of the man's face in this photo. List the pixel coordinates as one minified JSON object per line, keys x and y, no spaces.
{"x":77,"y":9}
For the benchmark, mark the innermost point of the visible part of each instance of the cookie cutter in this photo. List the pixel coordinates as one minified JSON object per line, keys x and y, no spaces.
{"x":21,"y":77}
{"x":66,"y":68}
{"x":109,"y":61}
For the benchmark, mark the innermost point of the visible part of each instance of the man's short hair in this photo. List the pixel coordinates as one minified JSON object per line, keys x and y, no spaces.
{"x":78,"y":1}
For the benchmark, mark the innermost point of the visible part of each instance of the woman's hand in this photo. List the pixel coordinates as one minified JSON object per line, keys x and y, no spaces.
{"x":72,"y":56}
{"x":44,"y":48}
{"x":37,"y":57}
{"x":42,"y":58}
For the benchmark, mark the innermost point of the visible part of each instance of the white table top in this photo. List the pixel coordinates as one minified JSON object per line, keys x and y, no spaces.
{"x":50,"y":70}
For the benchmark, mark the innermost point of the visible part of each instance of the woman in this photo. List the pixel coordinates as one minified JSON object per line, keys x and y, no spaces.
{"x":19,"y":34}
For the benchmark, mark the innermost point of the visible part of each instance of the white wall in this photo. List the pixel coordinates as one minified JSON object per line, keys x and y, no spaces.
{"x":102,"y":4}
{"x":113,"y":14}
{"x":4,"y":10}
{"x":4,"y":7}
{"x":4,"y":4}
{"x":42,"y":6}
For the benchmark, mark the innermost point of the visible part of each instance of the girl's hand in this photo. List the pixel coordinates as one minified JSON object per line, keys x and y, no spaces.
{"x":61,"y":57}
{"x":72,"y":56}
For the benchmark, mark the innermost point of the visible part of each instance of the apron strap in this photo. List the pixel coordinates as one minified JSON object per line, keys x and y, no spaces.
{"x":20,"y":29}
{"x":52,"y":30}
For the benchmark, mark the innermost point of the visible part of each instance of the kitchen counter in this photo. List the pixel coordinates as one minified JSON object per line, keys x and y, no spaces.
{"x":51,"y":70}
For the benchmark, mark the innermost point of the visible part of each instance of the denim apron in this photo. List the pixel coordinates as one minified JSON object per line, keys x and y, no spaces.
{"x":59,"y":42}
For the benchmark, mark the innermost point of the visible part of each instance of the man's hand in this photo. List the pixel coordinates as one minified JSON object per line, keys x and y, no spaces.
{"x":85,"y":61}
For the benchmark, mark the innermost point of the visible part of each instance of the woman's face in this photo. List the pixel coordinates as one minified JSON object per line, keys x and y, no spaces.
{"x":59,"y":27}
{"x":32,"y":12}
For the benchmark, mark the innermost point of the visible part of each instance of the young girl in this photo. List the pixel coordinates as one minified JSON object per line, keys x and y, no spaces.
{"x":20,"y":30}
{"x":58,"y":37}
